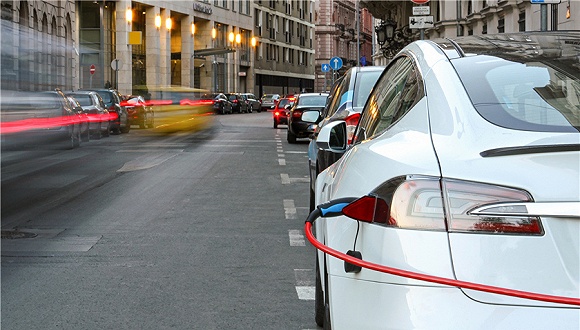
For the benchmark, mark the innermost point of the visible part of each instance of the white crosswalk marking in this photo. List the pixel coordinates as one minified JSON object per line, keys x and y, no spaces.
{"x":296,"y":237}
{"x":304,"y":283}
{"x":289,"y":209}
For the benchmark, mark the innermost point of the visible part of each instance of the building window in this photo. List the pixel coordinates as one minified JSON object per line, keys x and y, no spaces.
{"x":484,"y":29}
{"x":501,"y":25}
{"x":522,"y":21}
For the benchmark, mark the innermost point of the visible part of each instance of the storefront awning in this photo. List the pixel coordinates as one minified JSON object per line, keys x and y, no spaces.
{"x":212,"y":51}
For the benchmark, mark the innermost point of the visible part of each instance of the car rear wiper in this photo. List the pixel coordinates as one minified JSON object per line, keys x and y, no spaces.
{"x":522,"y":150}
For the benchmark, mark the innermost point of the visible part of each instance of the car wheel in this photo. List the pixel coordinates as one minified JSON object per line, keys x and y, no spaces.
{"x":125,"y":129}
{"x":312,"y":200}
{"x":319,"y":306}
{"x":275,"y":124}
{"x":250,"y":109}
{"x":326,"y":325}
{"x":107,"y":131}
{"x":87,"y":137}
{"x":291,"y":137}
{"x":143,"y":122}
{"x":98,"y":134}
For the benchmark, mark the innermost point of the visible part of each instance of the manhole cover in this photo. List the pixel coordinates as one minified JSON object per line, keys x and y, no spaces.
{"x":11,"y":234}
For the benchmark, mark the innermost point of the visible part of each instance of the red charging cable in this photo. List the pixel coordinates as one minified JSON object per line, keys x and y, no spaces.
{"x":436,"y":279}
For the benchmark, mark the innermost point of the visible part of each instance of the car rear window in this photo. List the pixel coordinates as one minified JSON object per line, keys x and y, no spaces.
{"x":541,"y":95}
{"x":313,"y":101}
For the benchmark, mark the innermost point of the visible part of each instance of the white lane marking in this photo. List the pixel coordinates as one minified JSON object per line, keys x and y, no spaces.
{"x":287,"y":180}
{"x":296,"y":238}
{"x":289,"y":209}
{"x":282,"y":162}
{"x":281,"y":155}
{"x":305,"y":283}
{"x":305,"y":292}
{"x":297,"y":152}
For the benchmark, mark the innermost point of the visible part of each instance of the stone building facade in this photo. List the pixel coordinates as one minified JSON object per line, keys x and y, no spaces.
{"x":216,"y":45}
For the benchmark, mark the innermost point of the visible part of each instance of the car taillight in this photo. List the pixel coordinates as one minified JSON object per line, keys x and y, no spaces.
{"x":297,"y":113}
{"x":351,"y":123}
{"x":429,"y":203}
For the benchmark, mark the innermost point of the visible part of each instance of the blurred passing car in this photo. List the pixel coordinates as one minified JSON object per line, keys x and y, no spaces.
{"x":253,"y":102}
{"x":99,"y":117}
{"x":30,"y":119}
{"x":239,"y":104}
{"x":112,"y":99}
{"x":220,"y":102}
{"x":345,"y":102}
{"x":282,"y":110}
{"x":269,"y":102}
{"x":465,"y":166}
{"x":139,"y":111}
{"x":84,"y":118}
{"x":180,"y":109}
{"x":303,"y":103}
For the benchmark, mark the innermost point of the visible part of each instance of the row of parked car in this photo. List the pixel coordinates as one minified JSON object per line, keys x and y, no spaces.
{"x":226,"y":103}
{"x":459,"y":161}
{"x":70,"y":117}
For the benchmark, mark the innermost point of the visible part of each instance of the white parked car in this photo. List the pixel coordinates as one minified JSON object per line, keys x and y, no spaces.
{"x":468,"y":151}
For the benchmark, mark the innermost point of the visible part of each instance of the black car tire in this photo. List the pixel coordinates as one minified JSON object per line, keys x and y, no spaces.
{"x":319,"y":306}
{"x":291,"y":137}
{"x":326,"y":325}
{"x":107,"y":132}
{"x":250,"y":109}
{"x":98,"y":134}
{"x":275,"y":123}
{"x":143,"y":122}
{"x":86,"y":137}
{"x":312,"y":200}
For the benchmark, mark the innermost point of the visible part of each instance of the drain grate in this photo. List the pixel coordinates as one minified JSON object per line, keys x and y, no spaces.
{"x":13,"y":234}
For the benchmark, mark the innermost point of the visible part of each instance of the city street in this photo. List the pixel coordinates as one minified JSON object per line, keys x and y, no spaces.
{"x":137,"y":231}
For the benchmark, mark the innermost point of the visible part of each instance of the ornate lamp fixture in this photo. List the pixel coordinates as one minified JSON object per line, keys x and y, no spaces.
{"x":391,"y":40}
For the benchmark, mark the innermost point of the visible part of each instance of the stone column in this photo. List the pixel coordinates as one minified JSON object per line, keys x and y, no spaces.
{"x":124,"y":51}
{"x":187,"y":47}
{"x":165,"y":50}
{"x":152,"y":52}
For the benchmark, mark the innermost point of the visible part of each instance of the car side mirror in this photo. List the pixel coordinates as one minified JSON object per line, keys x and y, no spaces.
{"x":332,"y":136}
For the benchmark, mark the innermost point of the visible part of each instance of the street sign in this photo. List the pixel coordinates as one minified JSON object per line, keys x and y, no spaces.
{"x":421,"y":10}
{"x":419,"y":2}
{"x":420,"y":22}
{"x":336,"y":63}
{"x":116,"y":64}
{"x":325,"y":67}
{"x":543,"y":2}
{"x":92,"y":69}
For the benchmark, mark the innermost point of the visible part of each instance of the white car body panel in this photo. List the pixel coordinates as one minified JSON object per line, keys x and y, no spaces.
{"x":375,"y":305}
{"x":445,"y":137}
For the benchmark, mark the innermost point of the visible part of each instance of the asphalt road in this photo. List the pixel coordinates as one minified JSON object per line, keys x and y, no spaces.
{"x":137,"y":231}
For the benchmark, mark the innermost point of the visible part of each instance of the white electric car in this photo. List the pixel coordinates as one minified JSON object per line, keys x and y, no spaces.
{"x":470,"y":150}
